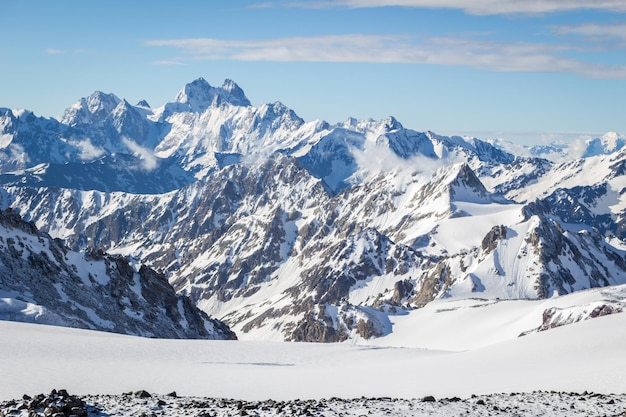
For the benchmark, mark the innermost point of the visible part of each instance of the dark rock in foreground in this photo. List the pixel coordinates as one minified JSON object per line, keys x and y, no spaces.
{"x":61,"y":404}
{"x":56,"y":404}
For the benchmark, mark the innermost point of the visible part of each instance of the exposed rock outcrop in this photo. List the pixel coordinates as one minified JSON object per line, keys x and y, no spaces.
{"x":47,"y":283}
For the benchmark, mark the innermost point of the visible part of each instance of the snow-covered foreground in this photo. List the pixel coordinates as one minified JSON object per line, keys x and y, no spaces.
{"x":585,"y":356}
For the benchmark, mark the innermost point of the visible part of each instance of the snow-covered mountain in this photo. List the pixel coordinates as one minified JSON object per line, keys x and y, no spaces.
{"x":295,"y":230}
{"x":41,"y":281}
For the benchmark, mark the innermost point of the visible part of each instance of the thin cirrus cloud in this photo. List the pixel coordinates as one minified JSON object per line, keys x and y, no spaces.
{"x":407,"y":49}
{"x":477,"y":7}
{"x":594,"y":31}
{"x":333,"y":48}
{"x":79,"y":51}
{"x":168,"y":62}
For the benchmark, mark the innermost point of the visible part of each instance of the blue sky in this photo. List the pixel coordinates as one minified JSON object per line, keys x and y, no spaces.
{"x":523,"y":70}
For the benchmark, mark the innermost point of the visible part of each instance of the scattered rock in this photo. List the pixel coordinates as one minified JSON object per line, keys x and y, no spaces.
{"x":142,"y":394}
{"x":558,"y":404}
{"x":56,"y":404}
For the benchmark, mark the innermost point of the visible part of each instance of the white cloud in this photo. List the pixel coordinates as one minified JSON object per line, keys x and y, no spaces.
{"x":595,"y":31}
{"x":336,"y":48}
{"x":377,"y":158}
{"x":479,"y":7}
{"x":367,"y":48}
{"x":149,"y":161}
{"x":15,"y":155}
{"x":579,"y":146}
{"x":87,"y":150}
{"x":80,"y":51}
{"x":168,"y":62}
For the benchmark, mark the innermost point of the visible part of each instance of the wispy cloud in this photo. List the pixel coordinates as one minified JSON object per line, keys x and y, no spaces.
{"x":168,"y":62}
{"x":149,"y":161}
{"x":476,"y":7}
{"x":87,"y":151}
{"x":360,"y":48}
{"x":16,"y":154}
{"x":594,"y":31}
{"x":332,"y":48}
{"x":79,"y":51}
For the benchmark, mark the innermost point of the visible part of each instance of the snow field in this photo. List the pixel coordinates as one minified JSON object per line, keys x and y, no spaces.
{"x":584,"y":356}
{"x":461,"y":324}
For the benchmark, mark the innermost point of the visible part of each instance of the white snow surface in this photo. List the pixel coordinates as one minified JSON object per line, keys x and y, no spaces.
{"x":480,"y":354}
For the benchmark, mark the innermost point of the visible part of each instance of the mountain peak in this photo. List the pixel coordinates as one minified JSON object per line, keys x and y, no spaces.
{"x":101,"y":102}
{"x":200,"y":95}
{"x":195,"y":91}
{"x":95,"y":107}
{"x":391,"y":123}
{"x":466,"y":186}
{"x":238,"y":97}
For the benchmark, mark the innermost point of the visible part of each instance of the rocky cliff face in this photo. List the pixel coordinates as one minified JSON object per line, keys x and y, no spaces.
{"x":43,"y":281}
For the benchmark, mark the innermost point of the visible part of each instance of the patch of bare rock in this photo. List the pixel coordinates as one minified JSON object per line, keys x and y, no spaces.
{"x":144,"y":404}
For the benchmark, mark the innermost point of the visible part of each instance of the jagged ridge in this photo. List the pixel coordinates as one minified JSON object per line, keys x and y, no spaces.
{"x":44,"y":282}
{"x":309,"y":231}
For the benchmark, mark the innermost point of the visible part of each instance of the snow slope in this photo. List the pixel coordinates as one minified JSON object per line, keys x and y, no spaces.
{"x":458,"y":324}
{"x":35,"y":358}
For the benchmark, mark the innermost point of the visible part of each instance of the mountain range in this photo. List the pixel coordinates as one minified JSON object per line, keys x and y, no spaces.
{"x":305,"y":231}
